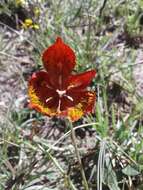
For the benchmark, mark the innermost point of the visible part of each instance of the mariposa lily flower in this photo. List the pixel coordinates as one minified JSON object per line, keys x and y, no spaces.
{"x":57,"y":92}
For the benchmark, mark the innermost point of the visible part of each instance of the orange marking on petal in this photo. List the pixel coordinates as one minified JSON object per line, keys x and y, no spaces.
{"x":88,"y":101}
{"x":85,"y":106}
{"x":75,"y":113}
{"x":38,"y":105}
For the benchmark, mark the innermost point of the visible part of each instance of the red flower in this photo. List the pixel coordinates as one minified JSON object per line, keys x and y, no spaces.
{"x":58,"y":92}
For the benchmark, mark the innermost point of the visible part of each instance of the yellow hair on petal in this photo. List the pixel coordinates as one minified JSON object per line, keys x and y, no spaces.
{"x":34,"y":99}
{"x":75,"y":113}
{"x":81,"y":108}
{"x":35,"y":102}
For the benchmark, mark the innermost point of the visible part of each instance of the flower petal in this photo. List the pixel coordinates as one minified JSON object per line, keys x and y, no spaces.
{"x":43,"y":98}
{"x":59,"y":61}
{"x":42,"y":95}
{"x":80,"y":81}
{"x":83,"y":102}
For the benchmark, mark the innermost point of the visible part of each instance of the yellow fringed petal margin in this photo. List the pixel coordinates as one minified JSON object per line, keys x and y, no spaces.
{"x":37,"y":104}
{"x":75,"y":113}
{"x":83,"y":107}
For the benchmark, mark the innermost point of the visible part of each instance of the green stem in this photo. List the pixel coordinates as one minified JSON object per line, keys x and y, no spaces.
{"x":73,"y":138}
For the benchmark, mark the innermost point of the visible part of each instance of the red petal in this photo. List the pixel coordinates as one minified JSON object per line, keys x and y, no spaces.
{"x":59,"y":61}
{"x":81,"y":81}
{"x":43,"y":98}
{"x":42,"y":95}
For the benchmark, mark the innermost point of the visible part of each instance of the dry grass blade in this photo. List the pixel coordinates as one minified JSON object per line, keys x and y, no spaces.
{"x":138,"y":73}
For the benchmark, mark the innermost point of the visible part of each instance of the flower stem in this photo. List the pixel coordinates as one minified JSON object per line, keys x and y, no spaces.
{"x":73,"y":138}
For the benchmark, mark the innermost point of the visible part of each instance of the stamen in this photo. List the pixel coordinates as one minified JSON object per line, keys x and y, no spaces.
{"x":59,"y":106}
{"x":48,"y":86}
{"x":61,"y":92}
{"x":48,"y":99}
{"x":69,"y":97}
